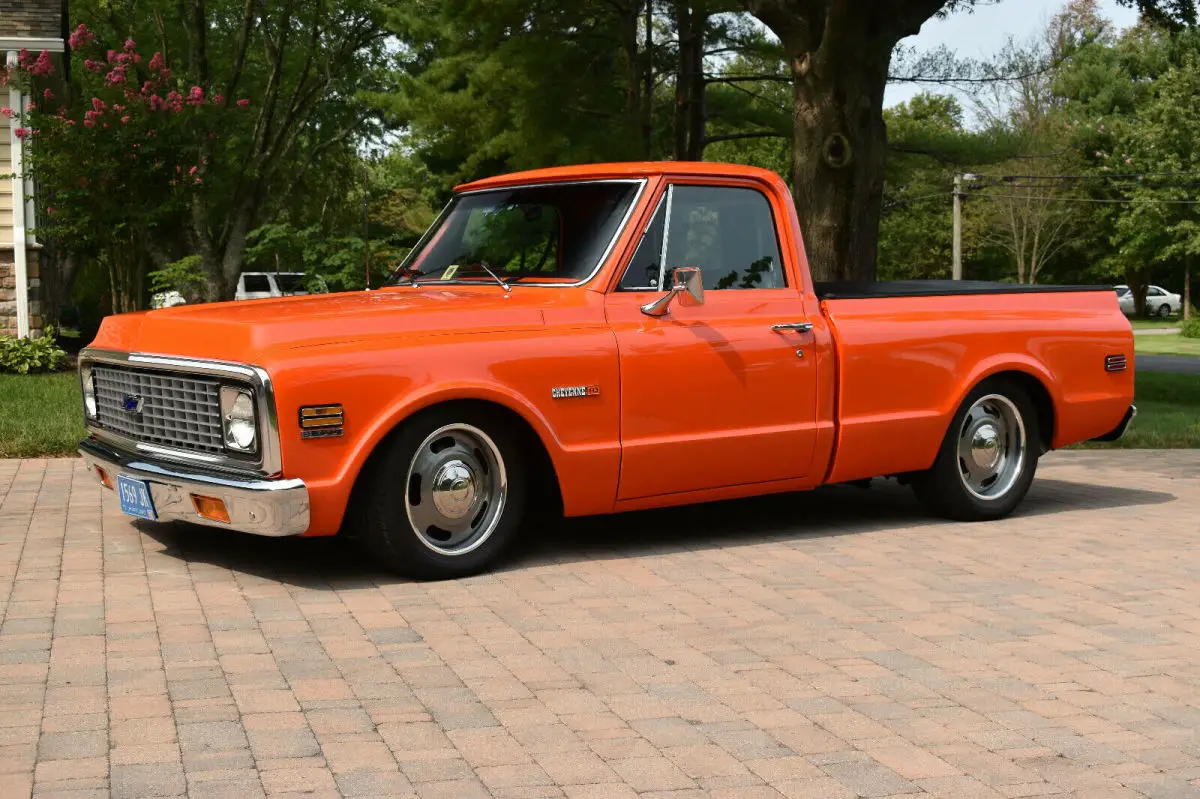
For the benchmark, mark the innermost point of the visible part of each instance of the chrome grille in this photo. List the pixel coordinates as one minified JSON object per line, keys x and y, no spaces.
{"x":176,"y":411}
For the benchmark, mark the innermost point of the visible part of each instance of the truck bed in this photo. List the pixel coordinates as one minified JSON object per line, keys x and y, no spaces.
{"x":908,"y":351}
{"x":863,"y":290}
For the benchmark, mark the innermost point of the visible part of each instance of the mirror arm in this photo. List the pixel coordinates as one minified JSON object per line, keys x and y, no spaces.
{"x":663,"y":304}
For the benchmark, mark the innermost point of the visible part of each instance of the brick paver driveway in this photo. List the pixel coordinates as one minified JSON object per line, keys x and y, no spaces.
{"x":826,"y":645}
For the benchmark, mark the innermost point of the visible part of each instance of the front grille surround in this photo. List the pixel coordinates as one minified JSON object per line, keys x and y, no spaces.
{"x":180,"y":410}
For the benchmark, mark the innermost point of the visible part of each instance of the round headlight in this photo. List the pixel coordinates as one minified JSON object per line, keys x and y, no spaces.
{"x":240,"y":429}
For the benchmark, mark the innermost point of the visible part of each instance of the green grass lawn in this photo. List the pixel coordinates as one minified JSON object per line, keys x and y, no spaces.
{"x":1155,"y":324}
{"x":40,"y":415}
{"x":1168,"y":413}
{"x":1170,"y":344}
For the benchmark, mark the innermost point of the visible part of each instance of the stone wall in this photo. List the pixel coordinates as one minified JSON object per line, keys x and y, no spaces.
{"x":40,"y":19}
{"x":8,"y":294}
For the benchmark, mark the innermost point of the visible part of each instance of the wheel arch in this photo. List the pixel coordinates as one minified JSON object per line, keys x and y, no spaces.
{"x":530,"y":427}
{"x":1034,"y":379}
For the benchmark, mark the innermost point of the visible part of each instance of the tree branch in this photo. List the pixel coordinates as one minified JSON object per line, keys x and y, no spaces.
{"x":748,"y":78}
{"x":754,"y":134}
{"x":240,"y":47}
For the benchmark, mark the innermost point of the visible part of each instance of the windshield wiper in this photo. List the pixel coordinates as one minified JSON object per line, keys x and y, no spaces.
{"x":507,"y":288}
{"x":415,"y":275}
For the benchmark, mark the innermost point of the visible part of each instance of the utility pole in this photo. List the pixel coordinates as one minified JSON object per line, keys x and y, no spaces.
{"x":958,"y":197}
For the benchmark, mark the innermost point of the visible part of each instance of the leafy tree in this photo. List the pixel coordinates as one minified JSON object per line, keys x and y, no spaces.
{"x":492,"y":86}
{"x":304,"y":62}
{"x":928,"y":144}
{"x":839,"y":52}
{"x":1132,"y":103}
{"x":115,"y":154}
{"x":277,"y":87}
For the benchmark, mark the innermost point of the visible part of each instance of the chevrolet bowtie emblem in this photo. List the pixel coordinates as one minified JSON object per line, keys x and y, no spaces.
{"x":132,"y":403}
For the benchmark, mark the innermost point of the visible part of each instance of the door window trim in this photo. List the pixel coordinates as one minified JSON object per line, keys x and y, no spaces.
{"x":662,"y":256}
{"x":667,"y":197}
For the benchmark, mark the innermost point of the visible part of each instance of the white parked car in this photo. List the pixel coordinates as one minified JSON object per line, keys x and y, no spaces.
{"x":1159,"y":301}
{"x":256,"y":285}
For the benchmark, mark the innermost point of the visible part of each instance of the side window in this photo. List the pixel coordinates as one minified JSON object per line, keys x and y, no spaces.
{"x":1154,"y":292}
{"x":256,"y":283}
{"x":728,"y":232}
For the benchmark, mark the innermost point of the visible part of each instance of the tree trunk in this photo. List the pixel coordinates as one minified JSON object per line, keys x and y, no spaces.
{"x":837,"y":159}
{"x":57,"y":272}
{"x":697,"y":87}
{"x":680,"y":124}
{"x":840,"y":51}
{"x":1139,"y":283}
{"x":627,"y":16}
{"x":648,"y":83}
{"x":221,"y":258}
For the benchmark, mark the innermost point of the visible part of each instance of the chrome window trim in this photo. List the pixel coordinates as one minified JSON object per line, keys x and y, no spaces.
{"x":269,"y":463}
{"x":600,"y":262}
{"x":666,"y":242}
{"x":669,"y":194}
{"x":658,"y":206}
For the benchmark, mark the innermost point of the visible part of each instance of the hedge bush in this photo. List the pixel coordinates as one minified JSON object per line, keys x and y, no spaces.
{"x":25,"y":356}
{"x":1191,"y":328}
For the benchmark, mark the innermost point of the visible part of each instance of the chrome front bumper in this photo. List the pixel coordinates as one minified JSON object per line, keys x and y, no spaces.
{"x":1119,"y":431}
{"x":260,"y":507}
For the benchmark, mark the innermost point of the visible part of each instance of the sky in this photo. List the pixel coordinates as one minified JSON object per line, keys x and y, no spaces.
{"x":984,"y":32}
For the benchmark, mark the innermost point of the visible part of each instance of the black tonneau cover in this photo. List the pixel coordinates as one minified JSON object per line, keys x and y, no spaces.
{"x":863,"y":290}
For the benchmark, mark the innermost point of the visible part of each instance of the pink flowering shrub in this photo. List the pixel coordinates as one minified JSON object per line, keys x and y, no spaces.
{"x":121,"y":159}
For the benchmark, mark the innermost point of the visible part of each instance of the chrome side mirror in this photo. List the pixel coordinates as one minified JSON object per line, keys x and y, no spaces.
{"x":689,"y":287}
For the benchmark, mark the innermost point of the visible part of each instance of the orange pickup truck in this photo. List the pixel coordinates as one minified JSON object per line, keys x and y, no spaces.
{"x":593,"y":340}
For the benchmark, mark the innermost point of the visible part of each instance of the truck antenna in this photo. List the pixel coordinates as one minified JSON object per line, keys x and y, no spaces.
{"x":366,"y":223}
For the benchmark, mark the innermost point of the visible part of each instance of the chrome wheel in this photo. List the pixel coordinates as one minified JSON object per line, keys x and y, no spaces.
{"x":991,"y":447}
{"x":456,"y":489}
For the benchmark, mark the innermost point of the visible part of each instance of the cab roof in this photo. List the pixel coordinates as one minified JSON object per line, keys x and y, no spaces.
{"x":629,"y":169}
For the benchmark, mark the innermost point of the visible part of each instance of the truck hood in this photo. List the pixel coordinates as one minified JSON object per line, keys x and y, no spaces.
{"x":243,"y":330}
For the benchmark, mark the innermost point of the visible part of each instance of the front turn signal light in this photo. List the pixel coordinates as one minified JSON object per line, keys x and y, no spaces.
{"x":105,"y":480}
{"x":211,"y":508}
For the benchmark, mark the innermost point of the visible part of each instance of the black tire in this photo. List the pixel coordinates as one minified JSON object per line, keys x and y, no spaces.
{"x":386,"y":502}
{"x":943,"y":488}
{"x":1164,"y":311}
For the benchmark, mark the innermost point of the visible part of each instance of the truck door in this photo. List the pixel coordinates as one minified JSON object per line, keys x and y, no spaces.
{"x":724,"y":393}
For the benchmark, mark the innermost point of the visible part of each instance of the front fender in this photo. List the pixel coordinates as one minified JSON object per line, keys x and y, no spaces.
{"x":380,"y":388}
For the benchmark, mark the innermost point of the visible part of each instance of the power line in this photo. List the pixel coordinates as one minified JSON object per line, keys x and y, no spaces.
{"x":1114,"y":176}
{"x":921,"y":198}
{"x":1126,"y":201}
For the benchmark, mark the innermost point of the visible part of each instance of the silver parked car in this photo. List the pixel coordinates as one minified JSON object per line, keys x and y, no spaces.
{"x":1159,"y":301}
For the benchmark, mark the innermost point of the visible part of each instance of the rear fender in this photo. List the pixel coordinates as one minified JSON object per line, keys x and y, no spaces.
{"x":998,"y":364}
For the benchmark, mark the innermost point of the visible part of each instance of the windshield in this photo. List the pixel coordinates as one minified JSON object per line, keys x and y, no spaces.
{"x":550,"y":233}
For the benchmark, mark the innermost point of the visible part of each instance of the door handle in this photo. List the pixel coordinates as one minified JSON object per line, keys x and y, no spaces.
{"x":799,"y":327}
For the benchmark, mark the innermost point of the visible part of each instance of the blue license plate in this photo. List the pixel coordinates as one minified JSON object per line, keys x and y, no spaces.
{"x":135,"y":497}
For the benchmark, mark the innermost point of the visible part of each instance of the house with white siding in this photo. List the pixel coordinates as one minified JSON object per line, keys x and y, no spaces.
{"x":33,"y":25}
